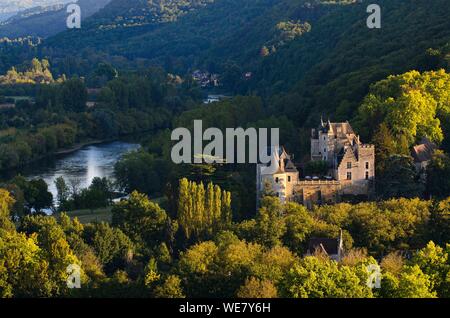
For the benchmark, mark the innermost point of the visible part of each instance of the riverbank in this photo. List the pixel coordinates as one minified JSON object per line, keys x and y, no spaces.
{"x":81,"y":145}
{"x":63,"y":151}
{"x":6,"y":173}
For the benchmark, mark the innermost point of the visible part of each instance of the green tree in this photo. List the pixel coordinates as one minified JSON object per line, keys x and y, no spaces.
{"x":151,"y":273}
{"x":170,"y":288}
{"x":63,"y":191}
{"x":255,"y":288}
{"x":141,"y":220}
{"x":315,"y":277}
{"x":73,"y":95}
{"x":423,"y":97}
{"x":434,"y":262}
{"x":439,"y":222}
{"x":270,"y":225}
{"x":110,"y":244}
{"x":411,"y":283}
{"x":6,"y":202}
{"x":23,"y":270}
{"x":399,"y":179}
{"x":54,"y":248}
{"x":385,"y":147}
{"x":299,"y":224}
{"x":203,"y":212}
{"x":437,"y":172}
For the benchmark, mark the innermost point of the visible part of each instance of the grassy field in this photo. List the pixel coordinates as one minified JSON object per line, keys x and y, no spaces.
{"x":88,"y":216}
{"x":99,"y":215}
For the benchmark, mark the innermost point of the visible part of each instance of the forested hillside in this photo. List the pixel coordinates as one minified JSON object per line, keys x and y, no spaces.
{"x":218,"y":35}
{"x":329,"y":70}
{"x":305,"y":59}
{"x":176,"y":44}
{"x":229,"y":37}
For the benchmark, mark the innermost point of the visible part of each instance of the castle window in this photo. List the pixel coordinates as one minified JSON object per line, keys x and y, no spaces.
{"x":289,"y":178}
{"x":276,"y":179}
{"x":367,"y":165}
{"x":349,"y":176}
{"x":367,"y":175}
{"x":349,"y":165}
{"x":324,"y":150}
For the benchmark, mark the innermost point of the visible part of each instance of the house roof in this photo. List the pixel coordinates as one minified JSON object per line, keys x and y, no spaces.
{"x":331,"y":246}
{"x":343,"y":152}
{"x":423,"y":152}
{"x":278,"y":153}
{"x":338,"y":129}
{"x":290,"y":167}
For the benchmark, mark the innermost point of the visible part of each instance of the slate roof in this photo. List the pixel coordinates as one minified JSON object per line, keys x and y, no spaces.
{"x":338,"y":129}
{"x":341,"y":155}
{"x":331,"y":246}
{"x":423,"y":152}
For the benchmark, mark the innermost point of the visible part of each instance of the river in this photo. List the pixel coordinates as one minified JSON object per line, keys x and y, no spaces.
{"x":81,"y":165}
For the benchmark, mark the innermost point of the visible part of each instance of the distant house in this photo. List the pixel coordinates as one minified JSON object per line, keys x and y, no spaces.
{"x":333,"y":248}
{"x":205,"y":79}
{"x":6,"y":106}
{"x":423,"y":153}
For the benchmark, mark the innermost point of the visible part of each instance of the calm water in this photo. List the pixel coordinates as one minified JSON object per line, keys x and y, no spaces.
{"x":82,"y":165}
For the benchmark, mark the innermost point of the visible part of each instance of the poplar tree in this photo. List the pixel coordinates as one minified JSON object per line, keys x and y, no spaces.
{"x":226,"y":208}
{"x":209,"y":207}
{"x":201,"y":223}
{"x":183,"y":206}
{"x":217,"y":207}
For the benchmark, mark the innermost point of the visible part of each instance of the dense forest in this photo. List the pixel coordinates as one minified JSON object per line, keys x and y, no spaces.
{"x":60,"y":117}
{"x":149,"y":252}
{"x":195,"y":230}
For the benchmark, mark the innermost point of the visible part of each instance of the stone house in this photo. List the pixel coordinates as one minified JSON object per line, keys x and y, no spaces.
{"x":334,"y":248}
{"x":423,"y":153}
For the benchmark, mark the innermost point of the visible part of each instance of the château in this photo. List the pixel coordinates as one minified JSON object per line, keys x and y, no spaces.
{"x":350,"y":168}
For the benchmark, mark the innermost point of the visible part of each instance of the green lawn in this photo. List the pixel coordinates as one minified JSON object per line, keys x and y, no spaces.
{"x":88,"y":216}
{"x":99,"y":215}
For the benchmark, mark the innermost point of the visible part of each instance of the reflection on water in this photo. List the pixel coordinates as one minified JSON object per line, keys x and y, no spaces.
{"x":82,"y":165}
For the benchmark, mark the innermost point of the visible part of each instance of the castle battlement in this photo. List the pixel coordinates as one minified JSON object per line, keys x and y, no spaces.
{"x":317,"y":182}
